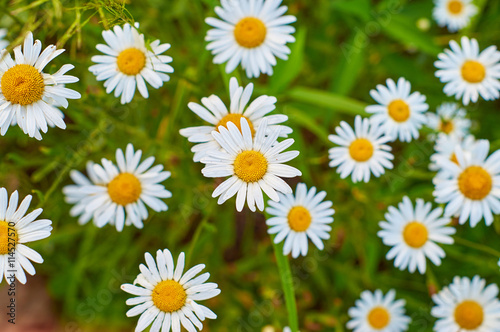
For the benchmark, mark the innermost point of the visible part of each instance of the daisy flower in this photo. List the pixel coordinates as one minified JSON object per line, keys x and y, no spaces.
{"x":30,"y":97}
{"x":472,"y":190}
{"x":128,"y":62}
{"x":3,"y":42}
{"x":467,"y":305}
{"x":118,"y":195}
{"x":375,"y":312}
{"x":16,"y":229}
{"x":469,"y":73}
{"x":413,"y":233}
{"x":445,"y":150}
{"x":300,"y":217}
{"x":362,"y":151}
{"x":454,"y":14}
{"x":450,"y":120}
{"x":400,"y":113}
{"x":251,"y":32}
{"x":253,"y":164}
{"x":216,"y":114}
{"x":167,"y":298}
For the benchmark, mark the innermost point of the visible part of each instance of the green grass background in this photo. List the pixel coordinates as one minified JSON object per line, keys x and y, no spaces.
{"x":343,"y":49}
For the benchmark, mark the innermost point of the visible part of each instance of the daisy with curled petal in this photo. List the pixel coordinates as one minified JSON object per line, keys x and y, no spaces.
{"x":450,"y":120}
{"x":30,"y":97}
{"x":445,"y":150}
{"x":216,"y":114}
{"x":16,"y":229}
{"x":3,"y":42}
{"x":376,"y":312}
{"x":454,"y":14}
{"x":119,"y":195}
{"x":362,"y":151}
{"x":400,"y":113}
{"x":297,"y":218}
{"x":469,"y":73}
{"x":166,"y":298}
{"x":472,"y":190}
{"x":254,"y":164}
{"x":128,"y":62}
{"x":251,"y":32}
{"x":467,"y":305}
{"x":413,"y":233}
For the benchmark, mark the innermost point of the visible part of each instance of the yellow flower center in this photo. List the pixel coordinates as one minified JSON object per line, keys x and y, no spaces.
{"x":131,"y":61}
{"x":299,"y":218}
{"x":234,"y":118}
{"x":453,"y":158}
{"x":361,"y":149}
{"x":250,"y":32}
{"x":22,"y":84}
{"x":250,"y":166}
{"x":399,"y":110}
{"x":475,"y":182}
{"x":415,"y":234}
{"x":5,"y":239}
{"x":124,"y":189}
{"x":169,"y":296}
{"x":469,"y":315}
{"x":379,"y":318}
{"x":455,"y":7}
{"x":446,"y":126}
{"x":473,"y":71}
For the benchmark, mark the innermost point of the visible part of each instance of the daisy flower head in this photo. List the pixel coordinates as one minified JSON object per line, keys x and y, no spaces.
{"x":444,"y":150}
{"x":217,"y":114}
{"x":467,"y":305}
{"x":118,"y":195}
{"x":472,"y":190}
{"x":413,"y":233}
{"x":376,"y":312}
{"x":254,"y":164}
{"x":469,"y":73}
{"x":3,"y":43}
{"x":16,"y":230}
{"x":298,"y":218}
{"x":450,"y":119}
{"x":129,"y":63}
{"x":453,"y":14}
{"x":362,"y":151}
{"x":400,"y":113}
{"x":166,"y":297}
{"x":28,"y":96}
{"x":251,"y":32}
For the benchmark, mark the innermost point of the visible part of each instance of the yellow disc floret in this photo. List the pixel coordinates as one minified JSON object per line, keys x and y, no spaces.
{"x":234,"y":118}
{"x":250,"y":32}
{"x":415,"y":234}
{"x":379,"y":318}
{"x":250,"y":166}
{"x":455,"y":7}
{"x":299,"y":218}
{"x":475,"y":182}
{"x":361,"y":149}
{"x":8,"y":237}
{"x":131,"y":61}
{"x":169,"y":296}
{"x":124,"y":189}
{"x":469,"y":315}
{"x":473,"y":71}
{"x":22,"y":84}
{"x":399,"y":110}
{"x":446,"y":126}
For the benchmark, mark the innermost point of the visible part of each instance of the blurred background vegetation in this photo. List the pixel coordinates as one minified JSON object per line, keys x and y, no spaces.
{"x":343,"y":49}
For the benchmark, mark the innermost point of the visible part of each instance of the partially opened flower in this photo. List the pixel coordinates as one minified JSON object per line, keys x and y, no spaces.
{"x":118,"y":195}
{"x":467,"y":305}
{"x":472,"y":189}
{"x":413,"y":233}
{"x":469,"y":73}
{"x":166,"y":297}
{"x":454,"y":14}
{"x":129,"y":63}
{"x":450,"y":120}
{"x":299,"y":218}
{"x":251,"y":32}
{"x":400,"y":112}
{"x":215,"y":112}
{"x":445,"y":151}
{"x":16,"y":229}
{"x":376,"y":312}
{"x":30,"y":97}
{"x":254,"y":164}
{"x":362,"y":151}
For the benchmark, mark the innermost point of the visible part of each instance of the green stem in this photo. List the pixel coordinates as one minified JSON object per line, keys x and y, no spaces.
{"x":477,"y":246}
{"x":287,"y":282}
